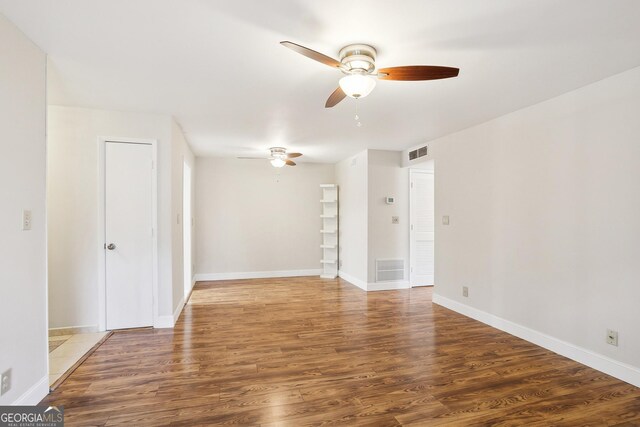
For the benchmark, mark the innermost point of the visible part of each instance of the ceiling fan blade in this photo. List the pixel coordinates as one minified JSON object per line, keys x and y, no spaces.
{"x":317,"y":56}
{"x":337,"y":96}
{"x":290,"y":162}
{"x":417,"y":72}
{"x":293,"y":155}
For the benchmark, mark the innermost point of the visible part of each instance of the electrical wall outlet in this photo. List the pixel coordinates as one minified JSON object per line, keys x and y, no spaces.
{"x":5,"y":382}
{"x":465,"y":291}
{"x":26,"y":220}
{"x":395,"y":220}
{"x":612,"y":337}
{"x":445,"y":220}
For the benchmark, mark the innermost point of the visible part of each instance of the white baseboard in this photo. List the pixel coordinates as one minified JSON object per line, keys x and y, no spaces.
{"x":353,"y":280}
{"x":72,"y":330}
{"x":377,"y":286}
{"x":35,"y":394}
{"x":178,"y":311}
{"x":164,"y":321}
{"x":204,"y":277}
{"x":622,"y":371}
{"x":168,"y":320}
{"x":388,"y":286}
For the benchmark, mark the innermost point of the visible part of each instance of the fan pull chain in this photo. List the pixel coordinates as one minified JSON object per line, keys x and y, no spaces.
{"x":357,"y":117}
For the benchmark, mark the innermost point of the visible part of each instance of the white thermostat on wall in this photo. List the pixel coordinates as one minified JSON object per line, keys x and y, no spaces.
{"x":390,"y":200}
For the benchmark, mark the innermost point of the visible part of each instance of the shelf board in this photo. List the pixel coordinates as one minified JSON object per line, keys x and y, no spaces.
{"x":329,"y":216}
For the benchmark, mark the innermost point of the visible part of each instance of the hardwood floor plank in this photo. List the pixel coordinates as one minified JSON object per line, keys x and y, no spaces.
{"x":307,"y":351}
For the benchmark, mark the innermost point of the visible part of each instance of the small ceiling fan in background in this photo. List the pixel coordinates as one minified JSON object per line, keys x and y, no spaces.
{"x":358,"y":63}
{"x":278,"y":157}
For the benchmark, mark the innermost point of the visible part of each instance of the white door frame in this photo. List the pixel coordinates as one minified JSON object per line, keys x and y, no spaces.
{"x":102,"y":272}
{"x":411,"y":243}
{"x":187,"y":224}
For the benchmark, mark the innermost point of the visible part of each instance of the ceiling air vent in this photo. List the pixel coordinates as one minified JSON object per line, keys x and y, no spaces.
{"x":420,"y":152}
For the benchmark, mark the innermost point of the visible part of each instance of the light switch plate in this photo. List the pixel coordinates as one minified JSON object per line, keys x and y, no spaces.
{"x":445,"y":220}
{"x":5,"y":382}
{"x":26,"y":220}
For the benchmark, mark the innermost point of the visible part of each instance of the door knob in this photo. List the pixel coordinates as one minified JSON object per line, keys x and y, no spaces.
{"x":111,"y":246}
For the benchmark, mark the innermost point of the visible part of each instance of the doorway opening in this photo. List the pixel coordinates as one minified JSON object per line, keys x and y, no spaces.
{"x":422,"y":225}
{"x":187,"y":223}
{"x":125,"y":216}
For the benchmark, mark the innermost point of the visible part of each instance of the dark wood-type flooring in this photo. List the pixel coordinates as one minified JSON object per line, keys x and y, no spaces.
{"x":306,"y":351}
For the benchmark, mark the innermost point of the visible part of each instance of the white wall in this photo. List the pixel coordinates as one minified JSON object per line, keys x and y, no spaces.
{"x":23,"y":323}
{"x":366,"y":231}
{"x":252,"y":217}
{"x":386,"y":177}
{"x":352,"y":177}
{"x":73,"y":207}
{"x":180,"y":153}
{"x":545,"y":219}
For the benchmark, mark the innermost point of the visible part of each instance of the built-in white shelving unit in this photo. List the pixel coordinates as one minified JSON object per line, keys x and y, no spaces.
{"x":329,"y":232}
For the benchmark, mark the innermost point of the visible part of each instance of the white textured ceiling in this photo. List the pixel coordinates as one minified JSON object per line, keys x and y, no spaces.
{"x":217,"y":66}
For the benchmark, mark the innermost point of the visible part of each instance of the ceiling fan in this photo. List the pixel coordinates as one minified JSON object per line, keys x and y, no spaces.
{"x":278,"y":157}
{"x":358,"y":63}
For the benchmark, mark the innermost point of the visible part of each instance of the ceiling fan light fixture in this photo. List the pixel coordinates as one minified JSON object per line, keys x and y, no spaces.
{"x":278,"y":162}
{"x":357,"y":85}
{"x":358,"y":62}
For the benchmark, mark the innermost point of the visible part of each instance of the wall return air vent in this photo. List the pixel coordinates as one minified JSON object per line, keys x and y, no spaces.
{"x":389,"y":270}
{"x":420,"y":152}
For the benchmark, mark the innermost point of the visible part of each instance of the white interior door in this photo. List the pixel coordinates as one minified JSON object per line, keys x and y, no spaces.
{"x":186,"y":235}
{"x":129,"y":235}
{"x":422,"y":230}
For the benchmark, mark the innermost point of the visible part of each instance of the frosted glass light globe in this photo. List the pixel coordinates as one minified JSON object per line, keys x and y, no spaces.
{"x":357,"y":85}
{"x":277,"y":163}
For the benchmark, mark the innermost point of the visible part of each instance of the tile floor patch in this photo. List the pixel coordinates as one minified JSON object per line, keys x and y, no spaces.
{"x":66,"y":350}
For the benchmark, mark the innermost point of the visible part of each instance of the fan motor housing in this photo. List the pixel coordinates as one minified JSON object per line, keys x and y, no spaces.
{"x":358,"y":57}
{"x":278,"y":152}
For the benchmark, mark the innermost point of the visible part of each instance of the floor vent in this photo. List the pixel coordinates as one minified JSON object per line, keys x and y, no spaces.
{"x":420,"y":152}
{"x":389,"y":270}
